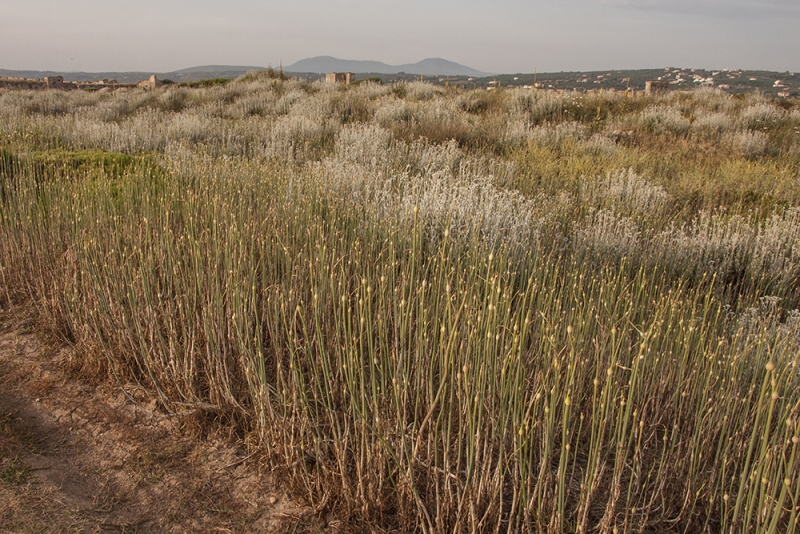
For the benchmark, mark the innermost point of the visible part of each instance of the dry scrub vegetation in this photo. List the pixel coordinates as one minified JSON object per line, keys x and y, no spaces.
{"x":437,"y":311}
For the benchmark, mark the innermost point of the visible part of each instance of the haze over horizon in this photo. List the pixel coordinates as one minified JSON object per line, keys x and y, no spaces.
{"x":506,"y":36}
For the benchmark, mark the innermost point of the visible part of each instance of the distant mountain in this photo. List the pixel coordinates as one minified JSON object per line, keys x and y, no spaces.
{"x":428,"y":67}
{"x":215,"y":68}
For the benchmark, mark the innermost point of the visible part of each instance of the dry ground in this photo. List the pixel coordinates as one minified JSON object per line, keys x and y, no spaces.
{"x":78,"y":456}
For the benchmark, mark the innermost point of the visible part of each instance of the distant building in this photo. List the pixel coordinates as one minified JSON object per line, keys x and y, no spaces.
{"x":655,"y":86}
{"x":340,"y":77}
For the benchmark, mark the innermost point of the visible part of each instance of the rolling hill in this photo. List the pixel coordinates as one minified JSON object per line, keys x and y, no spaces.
{"x":428,"y":67}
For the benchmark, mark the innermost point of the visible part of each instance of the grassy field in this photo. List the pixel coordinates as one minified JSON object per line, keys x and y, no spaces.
{"x":438,"y":311}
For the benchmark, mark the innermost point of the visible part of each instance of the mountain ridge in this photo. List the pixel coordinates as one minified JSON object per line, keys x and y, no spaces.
{"x":427,"y":67}
{"x":216,"y":68}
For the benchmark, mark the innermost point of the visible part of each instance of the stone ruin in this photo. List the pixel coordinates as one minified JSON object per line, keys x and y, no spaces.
{"x":340,"y":77}
{"x":57,"y":82}
{"x":655,"y":86}
{"x":54,"y":82}
{"x":151,"y":83}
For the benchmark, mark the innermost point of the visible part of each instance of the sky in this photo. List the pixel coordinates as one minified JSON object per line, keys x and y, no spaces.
{"x":498,"y":36}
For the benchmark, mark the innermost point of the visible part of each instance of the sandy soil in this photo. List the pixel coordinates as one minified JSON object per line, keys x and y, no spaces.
{"x":77,"y":456}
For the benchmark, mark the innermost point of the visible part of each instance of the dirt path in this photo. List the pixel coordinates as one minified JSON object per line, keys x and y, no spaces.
{"x":78,"y":457}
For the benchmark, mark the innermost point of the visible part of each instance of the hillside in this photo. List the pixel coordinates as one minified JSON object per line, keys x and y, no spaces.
{"x":430,"y":67}
{"x":440,"y":71}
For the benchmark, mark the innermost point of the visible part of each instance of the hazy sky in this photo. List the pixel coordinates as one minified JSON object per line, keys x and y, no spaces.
{"x":499,"y":36}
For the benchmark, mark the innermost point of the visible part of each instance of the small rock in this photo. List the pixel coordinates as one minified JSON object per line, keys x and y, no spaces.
{"x":273,"y":500}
